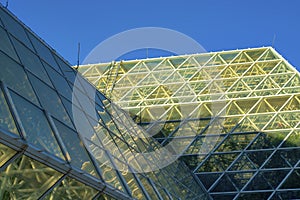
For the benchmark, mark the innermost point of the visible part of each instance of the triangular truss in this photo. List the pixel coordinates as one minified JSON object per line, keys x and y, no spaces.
{"x":258,"y":109}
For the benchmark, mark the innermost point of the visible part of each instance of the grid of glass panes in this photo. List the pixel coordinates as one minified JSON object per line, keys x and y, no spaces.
{"x":37,"y":104}
{"x":221,"y":111}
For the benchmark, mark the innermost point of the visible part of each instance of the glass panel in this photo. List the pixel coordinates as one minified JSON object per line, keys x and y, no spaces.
{"x":240,"y":179}
{"x":225,"y":185}
{"x":108,"y":172}
{"x":292,"y":181}
{"x":69,"y":107}
{"x":26,"y":179}
{"x":255,"y":53}
{"x":223,"y":196}
{"x":6,"y":120}
{"x":148,"y":187}
{"x":105,"y":197}
{"x":268,"y":55}
{"x":256,"y":195}
{"x":69,"y":73}
{"x":293,"y":140}
{"x":6,"y":153}
{"x":258,"y":157}
{"x":163,"y":193}
{"x":267,"y":180}
{"x":37,"y":128}
{"x":293,"y":194}
{"x":284,"y":158}
{"x":43,"y":51}
{"x":268,"y":140}
{"x":75,"y":147}
{"x":218,"y":162}
{"x":13,"y":76}
{"x":6,"y":45}
{"x":70,"y":189}
{"x":50,"y":100}
{"x":228,"y":56}
{"x":1,"y":24}
{"x":15,"y":28}
{"x":31,"y":62}
{"x":243,"y":163}
{"x":208,"y":179}
{"x":136,"y":191}
{"x":59,"y":82}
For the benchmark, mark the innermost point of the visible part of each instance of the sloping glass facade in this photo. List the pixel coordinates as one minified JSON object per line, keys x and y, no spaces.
{"x":232,"y":116}
{"x":44,"y":155}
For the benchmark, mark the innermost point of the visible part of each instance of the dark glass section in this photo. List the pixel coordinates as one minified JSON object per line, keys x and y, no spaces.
{"x":37,"y":128}
{"x":50,"y":100}
{"x":6,"y":45}
{"x":15,"y":28}
{"x":6,"y":119}
{"x":267,"y":180}
{"x":293,"y":180}
{"x":254,"y":196}
{"x":77,"y":154}
{"x":31,"y":62}
{"x":14,"y":76}
{"x":43,"y":51}
{"x":59,"y":82}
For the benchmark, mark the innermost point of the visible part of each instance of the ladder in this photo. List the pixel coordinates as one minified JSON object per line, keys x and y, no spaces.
{"x":112,"y":77}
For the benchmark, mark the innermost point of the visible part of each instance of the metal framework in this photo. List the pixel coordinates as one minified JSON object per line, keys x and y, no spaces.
{"x":43,"y":155}
{"x":233,"y":115}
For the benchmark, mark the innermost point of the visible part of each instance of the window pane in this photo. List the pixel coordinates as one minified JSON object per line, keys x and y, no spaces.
{"x":37,"y":128}
{"x":1,"y":24}
{"x":75,"y":147}
{"x":6,"y":153}
{"x":148,"y":187}
{"x":6,"y":120}
{"x":31,"y":62}
{"x":50,"y":100}
{"x":108,"y":172}
{"x":15,"y":28}
{"x":13,"y":76}
{"x":71,"y":189}
{"x":43,"y":51}
{"x":66,"y":69}
{"x":6,"y":45}
{"x":26,"y":178}
{"x":60,"y":83}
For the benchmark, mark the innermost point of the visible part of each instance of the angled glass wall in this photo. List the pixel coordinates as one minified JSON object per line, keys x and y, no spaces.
{"x":231,"y":116}
{"x":52,"y":147}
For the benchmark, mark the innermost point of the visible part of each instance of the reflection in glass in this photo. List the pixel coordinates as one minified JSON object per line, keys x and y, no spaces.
{"x":26,"y":179}
{"x":75,"y":147}
{"x":31,"y":61}
{"x":70,"y":189}
{"x":6,"y":120}
{"x":50,"y":100}
{"x":13,"y":75}
{"x":37,"y":128}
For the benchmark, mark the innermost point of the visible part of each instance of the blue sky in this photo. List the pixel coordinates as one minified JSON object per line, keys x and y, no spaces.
{"x":215,"y":24}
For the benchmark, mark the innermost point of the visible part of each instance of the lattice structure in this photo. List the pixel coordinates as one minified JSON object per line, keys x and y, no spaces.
{"x":233,"y":116}
{"x":44,"y":155}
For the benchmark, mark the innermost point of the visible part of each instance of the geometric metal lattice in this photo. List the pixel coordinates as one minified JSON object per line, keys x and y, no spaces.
{"x":252,"y":96}
{"x":44,"y":155}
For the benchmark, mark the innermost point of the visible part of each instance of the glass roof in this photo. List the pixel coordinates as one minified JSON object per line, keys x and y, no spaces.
{"x":60,"y":138}
{"x":231,"y":116}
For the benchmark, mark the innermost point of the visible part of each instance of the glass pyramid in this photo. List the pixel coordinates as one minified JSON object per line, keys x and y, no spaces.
{"x":231,"y":116}
{"x":51,"y":147}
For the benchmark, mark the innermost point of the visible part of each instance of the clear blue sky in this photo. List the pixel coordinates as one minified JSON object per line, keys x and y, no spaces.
{"x":215,"y":24}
